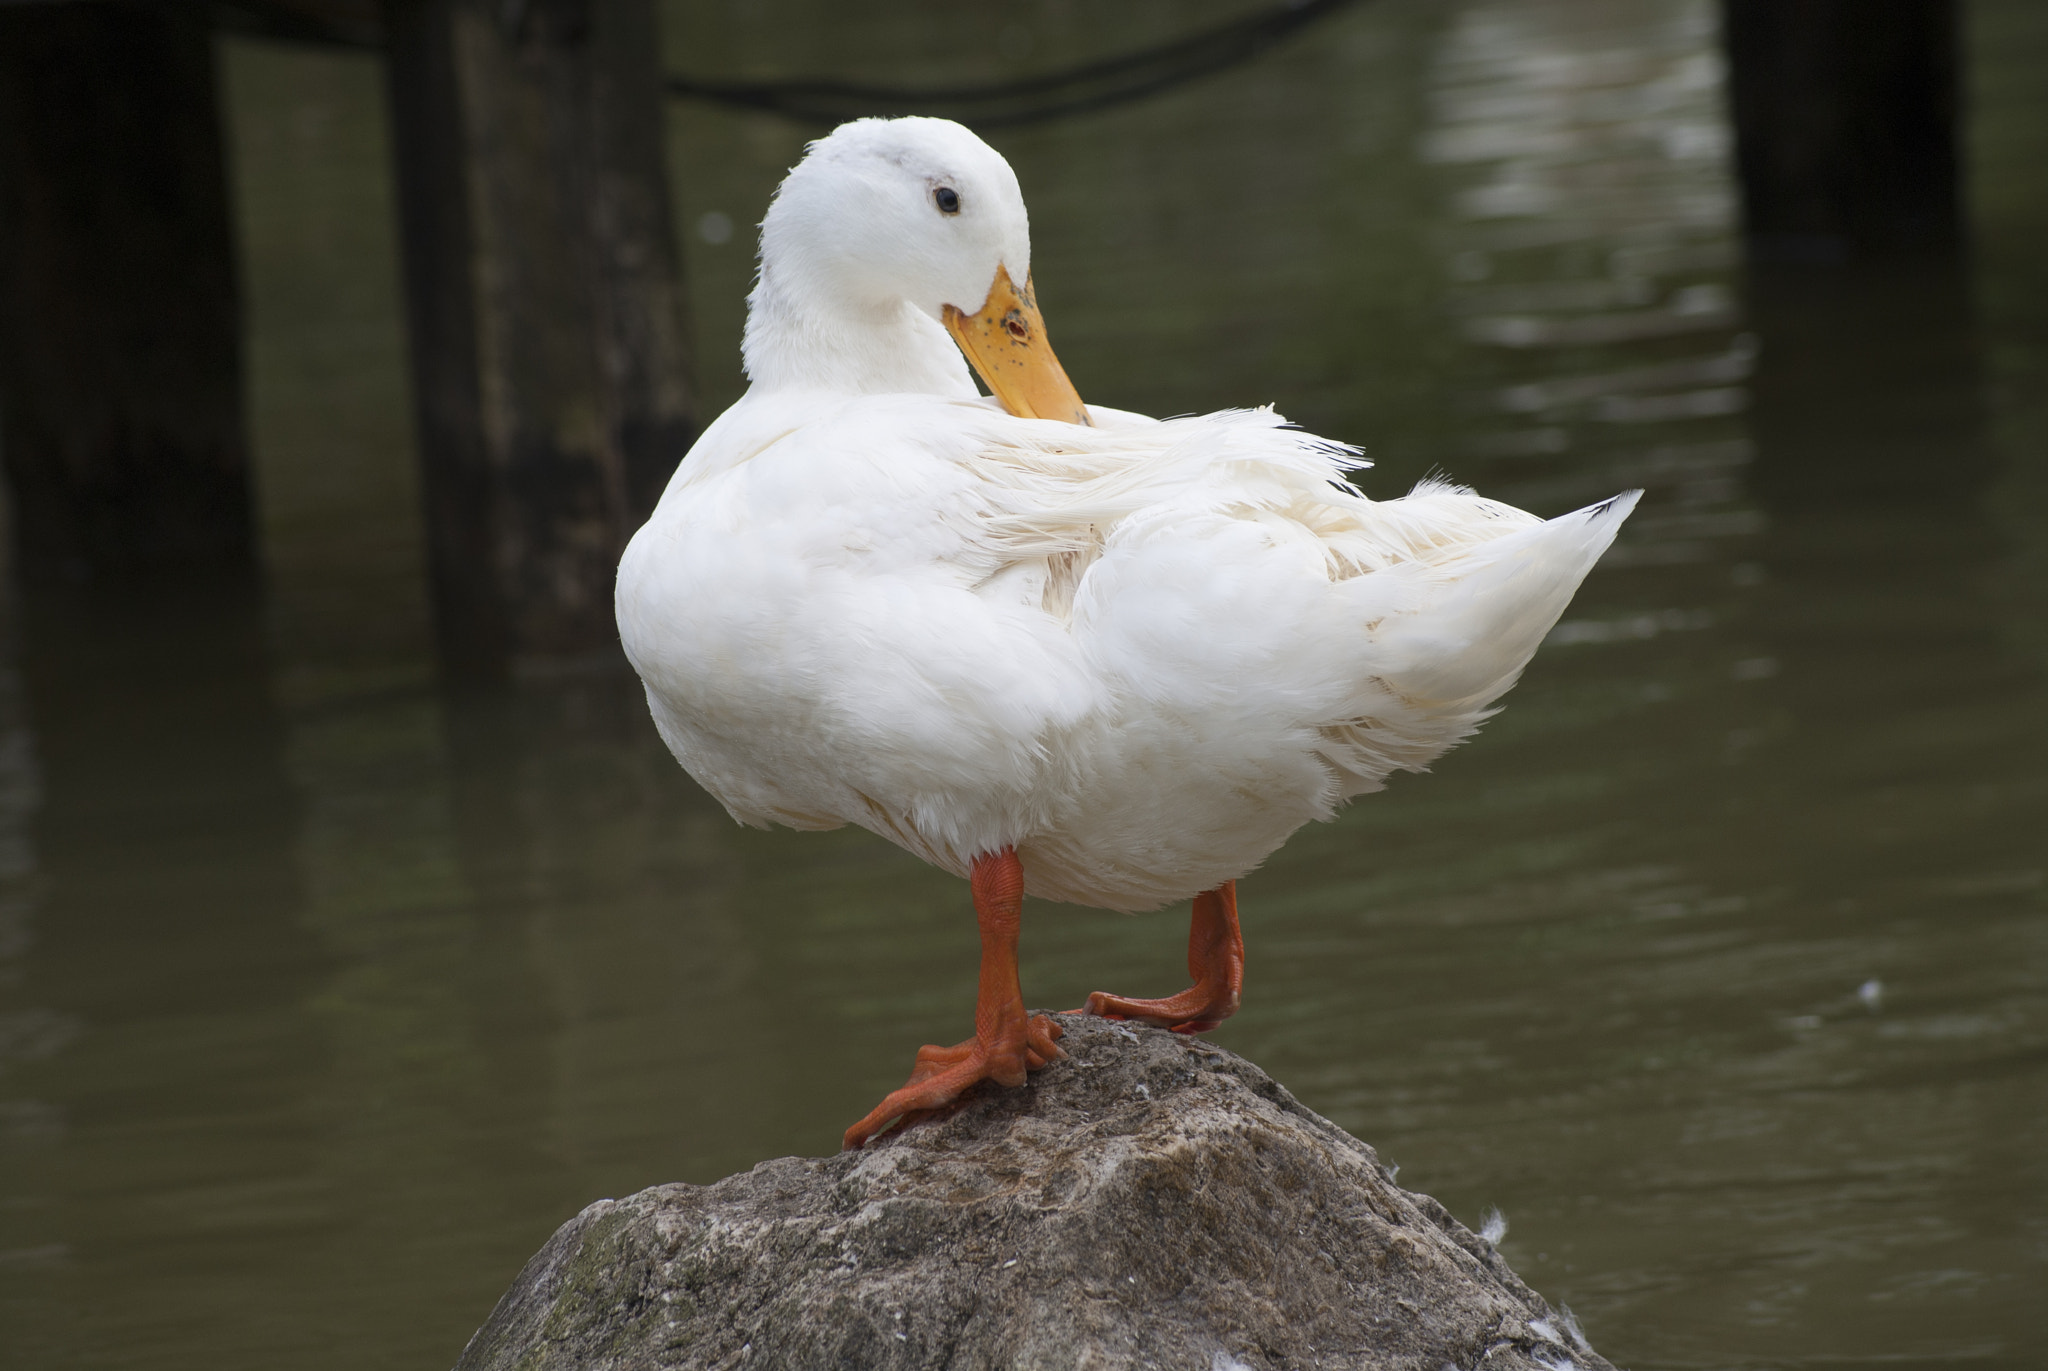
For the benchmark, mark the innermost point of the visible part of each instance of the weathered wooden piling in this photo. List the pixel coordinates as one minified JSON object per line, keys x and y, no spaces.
{"x":120,"y":356}
{"x":1846,"y":115}
{"x":545,"y":306}
{"x":1845,"y":119}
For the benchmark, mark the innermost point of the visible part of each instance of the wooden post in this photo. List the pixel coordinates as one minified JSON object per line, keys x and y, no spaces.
{"x":1868,"y":391}
{"x":120,"y":357}
{"x":1845,"y":119}
{"x":546,"y":311}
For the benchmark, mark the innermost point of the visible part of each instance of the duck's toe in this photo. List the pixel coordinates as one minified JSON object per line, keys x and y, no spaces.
{"x":1197,"y":1009}
{"x":1215,"y":960}
{"x":943,"y":1074}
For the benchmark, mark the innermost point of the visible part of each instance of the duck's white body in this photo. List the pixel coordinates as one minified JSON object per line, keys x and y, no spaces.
{"x":1142,"y":654}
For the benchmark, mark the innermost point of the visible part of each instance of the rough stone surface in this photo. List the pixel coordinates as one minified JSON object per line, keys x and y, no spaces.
{"x":1153,"y":1201}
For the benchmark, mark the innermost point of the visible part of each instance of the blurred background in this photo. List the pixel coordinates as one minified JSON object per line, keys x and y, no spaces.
{"x":356,"y":929}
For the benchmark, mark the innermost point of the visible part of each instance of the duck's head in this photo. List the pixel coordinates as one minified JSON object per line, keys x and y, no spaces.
{"x":888,"y":218}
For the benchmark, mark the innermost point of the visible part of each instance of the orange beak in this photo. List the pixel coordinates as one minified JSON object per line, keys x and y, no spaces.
{"x":1007,"y":346}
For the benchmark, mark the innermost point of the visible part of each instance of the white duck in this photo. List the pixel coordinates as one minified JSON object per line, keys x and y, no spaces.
{"x":1059,"y":650}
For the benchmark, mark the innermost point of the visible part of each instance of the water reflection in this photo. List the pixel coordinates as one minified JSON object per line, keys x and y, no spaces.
{"x":325,"y":995}
{"x":167,"y":964}
{"x":31,"y":1030}
{"x":1897,"y":418}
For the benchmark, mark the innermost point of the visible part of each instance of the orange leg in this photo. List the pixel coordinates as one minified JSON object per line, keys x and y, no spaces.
{"x":1215,"y":960}
{"x":1006,"y":1043}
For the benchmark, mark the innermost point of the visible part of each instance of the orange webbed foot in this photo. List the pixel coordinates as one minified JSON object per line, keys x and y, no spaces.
{"x":1215,"y":960}
{"x":943,"y":1074}
{"x":1194,"y":1010}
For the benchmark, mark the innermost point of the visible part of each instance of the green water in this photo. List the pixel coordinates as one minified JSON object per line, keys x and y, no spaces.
{"x":325,"y":994}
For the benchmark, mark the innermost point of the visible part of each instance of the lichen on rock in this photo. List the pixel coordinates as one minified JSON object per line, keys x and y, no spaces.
{"x":1153,"y":1200}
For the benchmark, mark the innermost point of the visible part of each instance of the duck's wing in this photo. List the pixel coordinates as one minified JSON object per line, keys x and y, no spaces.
{"x":1226,"y":565}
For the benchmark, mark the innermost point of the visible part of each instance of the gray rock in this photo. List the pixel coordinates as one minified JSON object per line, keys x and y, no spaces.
{"x":1153,"y":1201}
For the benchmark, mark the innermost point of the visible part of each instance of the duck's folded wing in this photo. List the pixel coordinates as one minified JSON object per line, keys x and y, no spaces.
{"x":1255,"y":591}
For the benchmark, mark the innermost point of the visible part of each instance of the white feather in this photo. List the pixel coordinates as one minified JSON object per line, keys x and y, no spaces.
{"x":1572,"y":1329}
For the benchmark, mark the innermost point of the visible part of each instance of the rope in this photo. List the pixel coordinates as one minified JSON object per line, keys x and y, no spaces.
{"x":1033,"y":100}
{"x":1091,"y":86}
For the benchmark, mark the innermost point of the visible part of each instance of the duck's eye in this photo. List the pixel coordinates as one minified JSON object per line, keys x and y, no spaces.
{"x":948,"y":200}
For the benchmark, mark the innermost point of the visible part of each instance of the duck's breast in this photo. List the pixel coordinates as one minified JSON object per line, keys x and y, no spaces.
{"x":824,"y":641}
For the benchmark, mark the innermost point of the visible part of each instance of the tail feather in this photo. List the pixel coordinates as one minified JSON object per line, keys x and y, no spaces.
{"x":1483,"y":613}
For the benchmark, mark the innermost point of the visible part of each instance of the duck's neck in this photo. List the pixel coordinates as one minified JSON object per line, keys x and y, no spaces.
{"x":795,"y":341}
